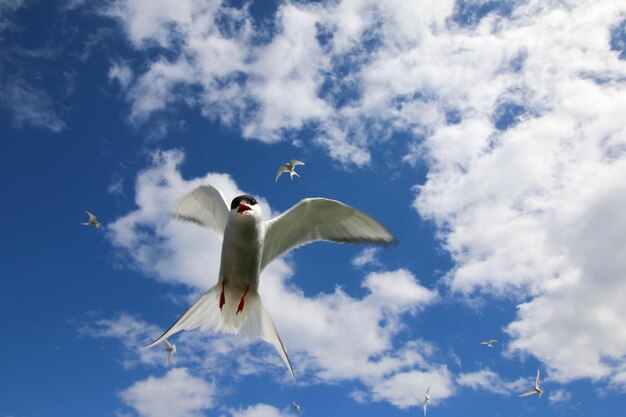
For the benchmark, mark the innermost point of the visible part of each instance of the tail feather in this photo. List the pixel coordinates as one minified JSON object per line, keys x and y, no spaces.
{"x":253,"y":322}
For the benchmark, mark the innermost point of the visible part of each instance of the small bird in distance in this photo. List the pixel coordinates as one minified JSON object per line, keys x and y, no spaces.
{"x":289,"y":167}
{"x":297,"y":406}
{"x":170,"y":348}
{"x":93,"y":221}
{"x":426,"y":399}
{"x":535,"y":390}
{"x":489,"y":342}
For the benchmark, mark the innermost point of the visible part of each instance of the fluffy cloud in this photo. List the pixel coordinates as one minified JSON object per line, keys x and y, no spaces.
{"x":260,"y":410}
{"x":522,"y":136}
{"x":178,"y":393}
{"x":488,"y":380}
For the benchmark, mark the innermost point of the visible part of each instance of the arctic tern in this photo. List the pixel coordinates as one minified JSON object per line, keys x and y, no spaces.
{"x":289,"y":167}
{"x":535,"y":390}
{"x":249,"y":244}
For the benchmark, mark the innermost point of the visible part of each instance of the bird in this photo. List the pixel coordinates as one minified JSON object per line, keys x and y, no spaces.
{"x":297,"y":406}
{"x":93,"y":221}
{"x":426,"y":399}
{"x":576,"y":406}
{"x":489,"y":342}
{"x":170,"y":349}
{"x":249,"y":244}
{"x":289,"y":167}
{"x":535,"y":390}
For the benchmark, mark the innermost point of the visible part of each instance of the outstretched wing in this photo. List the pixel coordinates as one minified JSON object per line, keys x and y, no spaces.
{"x":295,"y":162}
{"x":204,"y":206}
{"x":280,"y":171}
{"x":320,"y":219}
{"x":537,"y":380}
{"x":529,"y":392}
{"x":92,"y":217}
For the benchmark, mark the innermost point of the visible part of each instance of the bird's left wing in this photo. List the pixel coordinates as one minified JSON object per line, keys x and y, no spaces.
{"x":529,"y":392}
{"x":204,"y":206}
{"x":537,"y":380}
{"x":320,"y":219}
{"x":295,"y":162}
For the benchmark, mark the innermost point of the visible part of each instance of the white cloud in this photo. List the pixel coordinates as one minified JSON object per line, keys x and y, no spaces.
{"x":559,"y":396}
{"x":490,"y":381}
{"x":367,"y":256}
{"x":30,"y":105}
{"x":407,"y":389}
{"x":178,"y":393}
{"x":260,"y":410}
{"x":122,"y":73}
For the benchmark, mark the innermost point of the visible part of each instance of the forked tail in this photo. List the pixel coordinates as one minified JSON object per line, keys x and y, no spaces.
{"x":253,"y":322}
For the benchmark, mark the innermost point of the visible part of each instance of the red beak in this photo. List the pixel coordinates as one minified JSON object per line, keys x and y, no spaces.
{"x":243,"y":207}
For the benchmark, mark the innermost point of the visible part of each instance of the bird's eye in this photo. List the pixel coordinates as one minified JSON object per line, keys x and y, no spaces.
{"x":253,"y":201}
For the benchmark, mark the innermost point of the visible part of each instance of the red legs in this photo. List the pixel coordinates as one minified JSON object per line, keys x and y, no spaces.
{"x":222,"y":297}
{"x":243,"y":299}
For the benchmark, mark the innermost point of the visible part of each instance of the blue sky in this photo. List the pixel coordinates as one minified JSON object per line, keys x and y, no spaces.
{"x":487,"y":135}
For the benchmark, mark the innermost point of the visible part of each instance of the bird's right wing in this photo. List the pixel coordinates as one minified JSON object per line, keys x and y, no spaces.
{"x":295,"y":162}
{"x":529,"y":392}
{"x":204,"y":206}
{"x":91,"y":216}
{"x":315,"y":219}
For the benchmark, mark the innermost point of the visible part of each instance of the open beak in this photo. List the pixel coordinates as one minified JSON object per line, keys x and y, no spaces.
{"x":243,"y":207}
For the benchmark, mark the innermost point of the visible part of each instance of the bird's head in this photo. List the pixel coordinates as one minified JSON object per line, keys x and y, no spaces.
{"x":245,"y":205}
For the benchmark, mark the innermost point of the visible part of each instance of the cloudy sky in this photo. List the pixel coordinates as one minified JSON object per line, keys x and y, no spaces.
{"x":487,"y":135}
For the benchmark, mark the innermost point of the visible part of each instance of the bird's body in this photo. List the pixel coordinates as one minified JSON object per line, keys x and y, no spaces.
{"x":297,"y":406}
{"x":289,"y":167}
{"x":249,"y":243}
{"x":170,"y":349}
{"x":489,"y":342}
{"x":93,"y":221}
{"x":535,"y":390}
{"x":426,"y":399}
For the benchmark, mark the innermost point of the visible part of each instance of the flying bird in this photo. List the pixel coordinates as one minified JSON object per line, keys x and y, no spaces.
{"x":426,"y":399}
{"x":297,"y":406}
{"x":576,"y":406}
{"x":489,"y":342}
{"x":289,"y":167}
{"x":535,"y":390}
{"x":93,"y":221}
{"x":170,"y":349}
{"x":249,"y":244}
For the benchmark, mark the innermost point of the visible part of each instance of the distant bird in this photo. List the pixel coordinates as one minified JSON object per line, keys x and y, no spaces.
{"x":535,"y":390}
{"x":170,"y":349}
{"x":575,"y":406}
{"x":297,"y":406}
{"x":249,"y":244}
{"x":426,"y":399}
{"x":289,"y":167}
{"x":93,"y":221}
{"x":489,"y":342}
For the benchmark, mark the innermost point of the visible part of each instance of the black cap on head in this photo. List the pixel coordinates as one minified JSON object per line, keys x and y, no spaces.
{"x":246,"y":197}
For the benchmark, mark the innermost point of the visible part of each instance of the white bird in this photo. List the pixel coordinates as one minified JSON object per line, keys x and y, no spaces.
{"x":576,"y":406}
{"x":289,"y":167}
{"x":170,"y":349}
{"x":93,"y":221}
{"x":426,"y":399}
{"x":489,"y":342}
{"x":297,"y":406}
{"x":249,"y":244}
{"x":535,"y":390}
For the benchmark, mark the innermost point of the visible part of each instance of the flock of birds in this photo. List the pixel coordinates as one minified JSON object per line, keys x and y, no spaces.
{"x":242,"y":228}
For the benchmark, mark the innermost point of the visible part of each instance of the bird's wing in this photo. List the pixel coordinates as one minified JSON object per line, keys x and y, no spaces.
{"x":280,"y":171}
{"x":529,"y":392}
{"x":170,"y":353}
{"x":320,"y":219}
{"x":425,"y":406}
{"x":295,"y":162}
{"x":428,"y":390}
{"x":537,"y":380}
{"x":91,"y":216}
{"x":483,"y":343}
{"x":204,"y":206}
